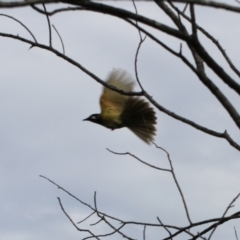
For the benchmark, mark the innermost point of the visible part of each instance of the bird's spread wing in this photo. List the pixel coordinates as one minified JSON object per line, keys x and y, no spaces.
{"x":113,"y":103}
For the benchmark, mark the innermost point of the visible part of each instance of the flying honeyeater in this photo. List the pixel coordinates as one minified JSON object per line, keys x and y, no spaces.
{"x":119,"y":110}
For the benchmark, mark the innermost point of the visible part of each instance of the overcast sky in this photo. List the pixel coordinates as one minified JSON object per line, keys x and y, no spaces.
{"x":43,"y":100}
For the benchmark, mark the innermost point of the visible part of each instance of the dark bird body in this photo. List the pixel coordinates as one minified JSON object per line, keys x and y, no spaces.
{"x":119,"y":111}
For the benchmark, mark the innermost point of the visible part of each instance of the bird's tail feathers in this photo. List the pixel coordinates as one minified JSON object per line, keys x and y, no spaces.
{"x":140,"y":118}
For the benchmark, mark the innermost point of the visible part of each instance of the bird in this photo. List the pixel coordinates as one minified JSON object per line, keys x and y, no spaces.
{"x":118,"y":111}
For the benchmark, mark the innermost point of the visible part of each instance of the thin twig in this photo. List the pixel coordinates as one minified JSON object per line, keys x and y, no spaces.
{"x":135,"y":62}
{"x":107,"y":222}
{"x":60,"y":39}
{"x":86,"y":217}
{"x":176,"y":182}
{"x":170,"y":234}
{"x":235,"y":233}
{"x":79,"y":229}
{"x":152,"y":166}
{"x":224,"y":214}
{"x":97,"y":222}
{"x":49,"y":26}
{"x":142,"y":39}
{"x":85,"y":204}
{"x":162,"y":169}
{"x":144,"y":232}
{"x":5,"y":15}
{"x":136,"y":11}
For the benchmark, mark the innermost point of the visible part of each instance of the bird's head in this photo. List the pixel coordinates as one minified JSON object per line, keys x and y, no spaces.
{"x":96,"y":118}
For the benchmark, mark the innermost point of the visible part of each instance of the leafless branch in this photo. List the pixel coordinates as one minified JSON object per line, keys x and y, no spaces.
{"x":144,"y":232}
{"x":149,"y":165}
{"x":102,"y":217}
{"x":235,"y":233}
{"x":199,"y":53}
{"x":198,"y":2}
{"x":162,"y":169}
{"x":60,"y":39}
{"x":86,"y":218}
{"x":223,"y":220}
{"x":193,"y":20}
{"x":208,"y":35}
{"x":224,"y":214}
{"x":142,"y":39}
{"x":76,"y":64}
{"x":79,"y":229}
{"x":5,"y":15}
{"x":135,"y":62}
{"x":170,"y":234}
{"x":185,"y":229}
{"x":60,"y":10}
{"x":185,"y":8}
{"x":49,"y":27}
{"x":176,"y":181}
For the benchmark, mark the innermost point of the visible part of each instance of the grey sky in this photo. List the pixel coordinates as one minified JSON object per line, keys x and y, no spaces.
{"x":43,"y":100}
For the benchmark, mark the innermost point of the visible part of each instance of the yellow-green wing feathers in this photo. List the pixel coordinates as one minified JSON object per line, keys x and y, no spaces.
{"x":113,"y":103}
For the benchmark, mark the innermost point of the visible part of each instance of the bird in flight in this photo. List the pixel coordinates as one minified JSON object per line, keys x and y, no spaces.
{"x":118,"y":111}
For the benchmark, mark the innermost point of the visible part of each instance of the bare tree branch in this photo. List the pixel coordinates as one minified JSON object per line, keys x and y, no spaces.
{"x":142,"y":39}
{"x":79,"y":229}
{"x":176,"y":182}
{"x":86,"y":218}
{"x":235,"y":233}
{"x":171,"y":170}
{"x":56,"y":11}
{"x":199,"y":53}
{"x":49,"y":26}
{"x":208,"y":35}
{"x":60,"y":39}
{"x":185,"y":229}
{"x":224,"y":214}
{"x":208,"y":3}
{"x":5,"y":15}
{"x":170,"y":234}
{"x":144,"y":232}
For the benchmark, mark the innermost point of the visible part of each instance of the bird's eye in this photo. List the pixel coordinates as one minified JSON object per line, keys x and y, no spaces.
{"x":93,"y":117}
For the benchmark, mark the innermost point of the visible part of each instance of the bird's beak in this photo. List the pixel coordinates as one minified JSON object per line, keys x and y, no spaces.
{"x":86,"y":119}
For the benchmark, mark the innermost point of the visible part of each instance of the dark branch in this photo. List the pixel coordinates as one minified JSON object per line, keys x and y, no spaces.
{"x":49,"y":26}
{"x":79,"y":229}
{"x":208,"y":35}
{"x":60,"y":39}
{"x":5,"y":15}
{"x":224,"y":214}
